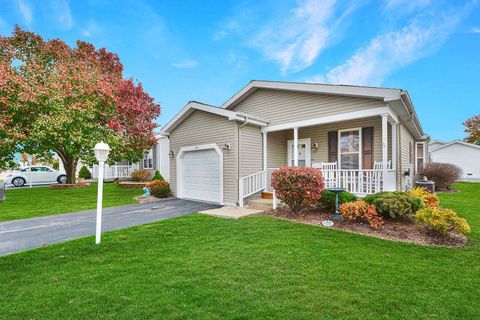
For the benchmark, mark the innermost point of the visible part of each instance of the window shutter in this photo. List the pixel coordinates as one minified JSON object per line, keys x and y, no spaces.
{"x":333,"y":146}
{"x":367,"y":147}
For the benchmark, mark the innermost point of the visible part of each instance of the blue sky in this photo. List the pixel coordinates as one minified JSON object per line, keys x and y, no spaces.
{"x":207,"y":50}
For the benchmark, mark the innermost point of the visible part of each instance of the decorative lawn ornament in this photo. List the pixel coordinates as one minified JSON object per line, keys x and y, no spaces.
{"x":327,"y":223}
{"x":146,"y":192}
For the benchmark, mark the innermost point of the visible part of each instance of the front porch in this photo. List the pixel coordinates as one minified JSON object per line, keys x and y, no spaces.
{"x":359,"y":155}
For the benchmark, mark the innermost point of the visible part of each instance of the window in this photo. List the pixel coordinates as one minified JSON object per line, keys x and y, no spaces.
{"x":349,"y":148}
{"x":419,"y":156}
{"x":148,"y":160}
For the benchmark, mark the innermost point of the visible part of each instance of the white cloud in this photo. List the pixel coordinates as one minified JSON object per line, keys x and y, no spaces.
{"x":405,"y":5}
{"x":91,"y":30}
{"x":391,"y":51}
{"x":297,"y":40}
{"x":475,"y":30}
{"x":185,"y":64}
{"x":25,"y":10}
{"x":59,"y":13}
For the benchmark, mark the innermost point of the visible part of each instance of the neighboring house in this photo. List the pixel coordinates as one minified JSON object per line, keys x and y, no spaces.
{"x":154,"y":159}
{"x":369,"y":136}
{"x":462,"y":154}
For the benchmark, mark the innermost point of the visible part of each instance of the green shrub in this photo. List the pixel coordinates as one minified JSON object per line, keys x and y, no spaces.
{"x":159,"y":189}
{"x":158,"y":176}
{"x":441,"y":222}
{"x":85,"y":173}
{"x":395,"y":205}
{"x":327,"y":201}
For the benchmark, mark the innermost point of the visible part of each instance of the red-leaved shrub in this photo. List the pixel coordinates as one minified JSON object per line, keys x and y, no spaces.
{"x":443,"y":174}
{"x":360,"y":211}
{"x":298,"y":187}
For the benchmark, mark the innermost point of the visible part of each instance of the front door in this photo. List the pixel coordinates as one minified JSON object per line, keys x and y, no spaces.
{"x":304,"y":153}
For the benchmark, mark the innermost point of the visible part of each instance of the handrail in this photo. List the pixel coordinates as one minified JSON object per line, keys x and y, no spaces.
{"x":250,"y":184}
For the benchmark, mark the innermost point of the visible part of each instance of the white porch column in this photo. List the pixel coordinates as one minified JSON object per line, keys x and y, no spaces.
{"x":295,"y":147}
{"x":394,"y":145}
{"x":384,"y":147}
{"x":265,"y":157}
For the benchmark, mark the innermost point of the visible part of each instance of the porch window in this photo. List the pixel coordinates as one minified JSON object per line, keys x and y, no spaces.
{"x":148,"y":160}
{"x":349,"y":142}
{"x":419,"y":156}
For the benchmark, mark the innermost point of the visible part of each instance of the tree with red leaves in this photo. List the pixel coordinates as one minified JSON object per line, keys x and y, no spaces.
{"x":57,"y":98}
{"x":473,"y":129}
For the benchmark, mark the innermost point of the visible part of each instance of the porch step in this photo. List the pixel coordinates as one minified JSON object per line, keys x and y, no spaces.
{"x":262,"y":204}
{"x":267,"y":195}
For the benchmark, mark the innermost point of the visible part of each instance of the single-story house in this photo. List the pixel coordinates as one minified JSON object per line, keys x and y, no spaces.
{"x":462,"y":154}
{"x":365,"y":139}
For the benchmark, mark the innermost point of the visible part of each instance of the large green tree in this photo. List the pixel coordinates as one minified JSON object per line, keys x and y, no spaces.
{"x":55,"y":97}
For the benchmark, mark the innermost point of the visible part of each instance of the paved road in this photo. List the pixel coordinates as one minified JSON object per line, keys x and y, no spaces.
{"x":32,"y":233}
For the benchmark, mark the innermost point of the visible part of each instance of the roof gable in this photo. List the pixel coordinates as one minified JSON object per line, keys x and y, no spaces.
{"x":456,"y":142}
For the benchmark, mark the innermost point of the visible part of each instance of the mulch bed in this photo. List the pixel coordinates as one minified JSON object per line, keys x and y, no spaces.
{"x":403,"y":231}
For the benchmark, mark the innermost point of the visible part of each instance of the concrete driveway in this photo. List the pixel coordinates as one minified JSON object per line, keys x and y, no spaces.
{"x":26,"y":234}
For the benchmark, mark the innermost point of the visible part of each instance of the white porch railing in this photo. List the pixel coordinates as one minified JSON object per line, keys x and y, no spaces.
{"x":115,"y":171}
{"x":250,"y":184}
{"x":360,"y":182}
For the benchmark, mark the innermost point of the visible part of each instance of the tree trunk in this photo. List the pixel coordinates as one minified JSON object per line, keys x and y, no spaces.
{"x":69,"y":164}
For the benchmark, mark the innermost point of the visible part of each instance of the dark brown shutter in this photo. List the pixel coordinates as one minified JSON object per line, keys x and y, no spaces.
{"x":367,"y":148}
{"x":333,"y":146}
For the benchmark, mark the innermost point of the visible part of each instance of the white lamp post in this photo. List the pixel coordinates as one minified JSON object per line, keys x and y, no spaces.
{"x":30,"y":160}
{"x":101,"y":153}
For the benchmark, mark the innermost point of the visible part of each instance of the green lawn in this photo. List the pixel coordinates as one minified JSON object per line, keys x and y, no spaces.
{"x":200,"y":267}
{"x":28,"y":203}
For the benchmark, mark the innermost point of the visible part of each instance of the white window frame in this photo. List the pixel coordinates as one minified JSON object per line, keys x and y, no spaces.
{"x":148,"y":158}
{"x":179,"y":163}
{"x":417,"y":156}
{"x":308,"y":151}
{"x":360,"y":146}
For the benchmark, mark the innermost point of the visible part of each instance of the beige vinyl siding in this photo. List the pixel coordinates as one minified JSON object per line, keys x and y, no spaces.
{"x":406,"y":162}
{"x":319,"y":134}
{"x":286,"y":106}
{"x":251,"y":150}
{"x":277,"y":149}
{"x":204,"y":128}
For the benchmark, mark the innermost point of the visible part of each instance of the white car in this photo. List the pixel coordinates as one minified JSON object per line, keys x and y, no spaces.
{"x":39,"y":174}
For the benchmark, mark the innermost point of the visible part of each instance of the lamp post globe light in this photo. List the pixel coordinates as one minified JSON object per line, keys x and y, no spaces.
{"x":101,"y":150}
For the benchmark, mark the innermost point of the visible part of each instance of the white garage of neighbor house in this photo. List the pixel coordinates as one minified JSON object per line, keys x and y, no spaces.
{"x":462,"y":154}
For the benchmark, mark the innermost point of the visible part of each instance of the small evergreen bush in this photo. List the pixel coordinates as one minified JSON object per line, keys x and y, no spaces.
{"x":327,"y":201}
{"x":158,"y":176}
{"x":395,"y":205}
{"x":84,"y":173}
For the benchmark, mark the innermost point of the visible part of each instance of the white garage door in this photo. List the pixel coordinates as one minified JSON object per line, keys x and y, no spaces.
{"x":201,"y":175}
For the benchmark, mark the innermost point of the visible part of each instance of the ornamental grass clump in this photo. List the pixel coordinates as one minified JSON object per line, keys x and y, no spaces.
{"x":430,"y":200}
{"x":298,"y":187}
{"x":140,"y":175}
{"x":362,"y":212}
{"x":441,"y":222}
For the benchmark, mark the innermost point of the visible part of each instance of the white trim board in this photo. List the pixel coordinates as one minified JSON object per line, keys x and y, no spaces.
{"x":330,"y":119}
{"x":193,"y":105}
{"x":182,"y":151}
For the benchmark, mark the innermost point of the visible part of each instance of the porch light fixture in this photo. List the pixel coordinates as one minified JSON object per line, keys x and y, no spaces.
{"x":315,"y":146}
{"x":227,"y":146}
{"x":171,"y":154}
{"x":101,"y":150}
